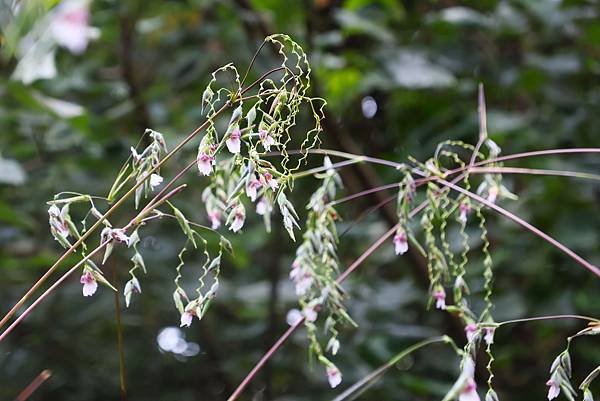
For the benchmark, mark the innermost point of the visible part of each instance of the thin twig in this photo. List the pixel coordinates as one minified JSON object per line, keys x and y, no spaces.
{"x":37,"y":382}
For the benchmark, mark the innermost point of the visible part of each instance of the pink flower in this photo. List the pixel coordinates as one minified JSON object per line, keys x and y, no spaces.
{"x":215,"y":219}
{"x":471,"y":331}
{"x":489,"y":335}
{"x":58,"y":222}
{"x":334,"y":376}
{"x":186,"y":319}
{"x":268,"y":181}
{"x":464,"y":210}
{"x":554,"y":389}
{"x":205,"y":163}
{"x":70,"y":27}
{"x":89,"y":284}
{"x":233,"y":142}
{"x":303,"y":284}
{"x":251,"y":188}
{"x":293,"y":317}
{"x":440,"y":298}
{"x":493,"y":193}
{"x":266,"y":139}
{"x":262,"y":206}
{"x":119,"y":235}
{"x":400,"y":242}
{"x":238,"y":220}
{"x":469,"y":392}
{"x":310,"y":314}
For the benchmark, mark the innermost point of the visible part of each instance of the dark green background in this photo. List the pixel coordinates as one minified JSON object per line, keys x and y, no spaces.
{"x":421,"y":61}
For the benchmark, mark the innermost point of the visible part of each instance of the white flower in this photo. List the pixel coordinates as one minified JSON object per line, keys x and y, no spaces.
{"x":268,"y":181}
{"x":464,"y":210}
{"x":334,"y":376}
{"x":238,"y":219}
{"x":469,"y":392}
{"x":553,"y":390}
{"x":293,"y":317}
{"x":135,"y":155}
{"x":251,"y":188}
{"x":310,"y":314}
{"x":70,"y":26}
{"x":400,"y":242}
{"x":89,"y":284}
{"x":266,"y":139}
{"x":233,"y":142}
{"x":333,"y":345}
{"x":205,"y":163}
{"x":155,"y":180}
{"x":489,"y":335}
{"x":186,"y":319}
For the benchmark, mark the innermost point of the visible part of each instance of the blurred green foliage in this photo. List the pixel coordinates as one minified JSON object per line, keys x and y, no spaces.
{"x":420,"y":61}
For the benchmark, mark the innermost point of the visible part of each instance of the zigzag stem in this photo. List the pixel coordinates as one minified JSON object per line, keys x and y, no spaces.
{"x":127,"y":195}
{"x":65,"y":275}
{"x":594,"y":269}
{"x":97,"y":224}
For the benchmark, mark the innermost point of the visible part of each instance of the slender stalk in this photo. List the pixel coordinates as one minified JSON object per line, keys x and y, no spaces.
{"x":594,"y":269}
{"x":363,"y":384}
{"x":120,"y":350}
{"x":551,"y":317}
{"x":533,"y":171}
{"x":34,"y":385}
{"x":99,"y":222}
{"x":77,"y":265}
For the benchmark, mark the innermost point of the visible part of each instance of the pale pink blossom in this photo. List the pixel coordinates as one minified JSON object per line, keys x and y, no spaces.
{"x":471,"y":331}
{"x":493,"y":193}
{"x":205,"y":163}
{"x":268,"y":181}
{"x":334,"y":376}
{"x":233,"y":142}
{"x":262,"y":206}
{"x":58,"y":222}
{"x":119,"y":235}
{"x":400,"y":242}
{"x":238,"y":220}
{"x":70,"y":26}
{"x":215,"y":219}
{"x":553,"y":390}
{"x":489,"y":335}
{"x":155,"y":180}
{"x":303,"y":284}
{"x":251,"y":188}
{"x":186,"y":319}
{"x":469,"y":391}
{"x":266,"y":139}
{"x":89,"y":284}
{"x":464,"y":208}
{"x":310,"y":314}
{"x":293,"y":317}
{"x":440,"y":298}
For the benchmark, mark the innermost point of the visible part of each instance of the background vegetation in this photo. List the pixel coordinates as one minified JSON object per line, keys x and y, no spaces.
{"x":419,"y":62}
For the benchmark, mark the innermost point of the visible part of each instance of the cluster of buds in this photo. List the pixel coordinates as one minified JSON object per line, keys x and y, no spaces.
{"x":145,"y":162}
{"x":59,"y":223}
{"x":301,"y":277}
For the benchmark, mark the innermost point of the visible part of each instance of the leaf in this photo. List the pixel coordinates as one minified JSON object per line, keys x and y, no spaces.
{"x":184,"y":224}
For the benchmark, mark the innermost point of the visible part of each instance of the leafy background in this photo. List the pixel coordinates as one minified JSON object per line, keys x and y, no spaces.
{"x":420,"y":61}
